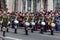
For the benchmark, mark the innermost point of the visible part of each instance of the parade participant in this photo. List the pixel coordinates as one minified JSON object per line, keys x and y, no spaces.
{"x":21,"y":19}
{"x":36,"y":20}
{"x":1,"y":20}
{"x":56,"y":22}
{"x":26,"y":23}
{"x":5,"y":21}
{"x":16,"y":23}
{"x":9,"y":22}
{"x":42,"y":23}
{"x":52,"y":23}
{"x":48,"y":22}
{"x":13,"y":18}
{"x":32,"y":22}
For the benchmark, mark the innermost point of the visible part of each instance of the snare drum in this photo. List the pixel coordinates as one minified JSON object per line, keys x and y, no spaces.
{"x":43,"y":23}
{"x":53,"y":24}
{"x":32,"y":23}
{"x":27,"y":23}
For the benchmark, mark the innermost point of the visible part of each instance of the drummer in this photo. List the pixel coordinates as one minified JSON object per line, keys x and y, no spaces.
{"x":52,"y":23}
{"x":9,"y":22}
{"x":42,"y":19}
{"x":16,"y":23}
{"x":1,"y":20}
{"x":13,"y":18}
{"x":26,"y":23}
{"x":32,"y":21}
{"x":48,"y":22}
{"x":5,"y":21}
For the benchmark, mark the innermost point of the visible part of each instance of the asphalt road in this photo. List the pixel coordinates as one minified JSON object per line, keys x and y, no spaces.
{"x":32,"y":36}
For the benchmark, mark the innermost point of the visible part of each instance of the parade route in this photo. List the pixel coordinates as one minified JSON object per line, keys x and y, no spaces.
{"x":32,"y":36}
{"x":11,"y":38}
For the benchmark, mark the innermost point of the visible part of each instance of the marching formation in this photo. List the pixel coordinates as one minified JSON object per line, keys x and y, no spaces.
{"x":44,"y":21}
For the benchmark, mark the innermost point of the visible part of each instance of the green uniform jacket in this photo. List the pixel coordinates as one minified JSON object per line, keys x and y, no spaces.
{"x":31,"y":18}
{"x":0,"y":18}
{"x":42,"y":18}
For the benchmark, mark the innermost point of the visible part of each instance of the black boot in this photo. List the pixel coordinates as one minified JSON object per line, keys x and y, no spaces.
{"x":3,"y":33}
{"x":7,"y":30}
{"x":26,"y":32}
{"x":52,"y":32}
{"x":1,"y":28}
{"x":15,"y":31}
{"x":32,"y":30}
{"x":41,"y":31}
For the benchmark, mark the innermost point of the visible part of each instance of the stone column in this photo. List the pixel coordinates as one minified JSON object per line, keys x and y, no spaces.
{"x":38,"y":5}
{"x":50,"y":5}
{"x":31,"y":5}
{"x":26,"y":6}
{"x":20,"y":5}
{"x":10,"y":5}
{"x":42,"y":4}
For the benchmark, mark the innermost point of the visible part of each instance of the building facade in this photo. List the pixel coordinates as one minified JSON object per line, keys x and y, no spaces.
{"x":32,"y":5}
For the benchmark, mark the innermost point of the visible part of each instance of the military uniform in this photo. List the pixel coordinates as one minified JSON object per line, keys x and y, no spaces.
{"x":13,"y":18}
{"x":43,"y":27}
{"x":1,"y":22}
{"x":52,"y":21}
{"x":9,"y":22}
{"x":32,"y":23}
{"x":5,"y":21}
{"x":26,"y":28}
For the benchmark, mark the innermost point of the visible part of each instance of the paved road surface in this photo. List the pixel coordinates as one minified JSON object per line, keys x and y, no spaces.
{"x":32,"y":36}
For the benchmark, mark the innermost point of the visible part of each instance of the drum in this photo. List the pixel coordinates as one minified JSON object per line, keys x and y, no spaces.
{"x":16,"y":21}
{"x":32,"y":23}
{"x":0,"y":21}
{"x":53,"y":24}
{"x":27,"y":23}
{"x":8,"y":22}
{"x":43,"y":23}
{"x":4,"y":28}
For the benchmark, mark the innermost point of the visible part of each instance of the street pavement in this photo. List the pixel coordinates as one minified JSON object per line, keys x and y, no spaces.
{"x":32,"y":36}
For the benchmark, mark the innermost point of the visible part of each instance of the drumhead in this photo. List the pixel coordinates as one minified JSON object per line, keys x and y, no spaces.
{"x":32,"y":23}
{"x":43,"y":23}
{"x":16,"y":21}
{"x":8,"y":22}
{"x":0,"y":21}
{"x":53,"y":24}
{"x":27,"y":23}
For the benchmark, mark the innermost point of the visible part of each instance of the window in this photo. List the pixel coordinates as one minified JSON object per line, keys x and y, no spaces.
{"x":57,"y":4}
{"x":29,"y":5}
